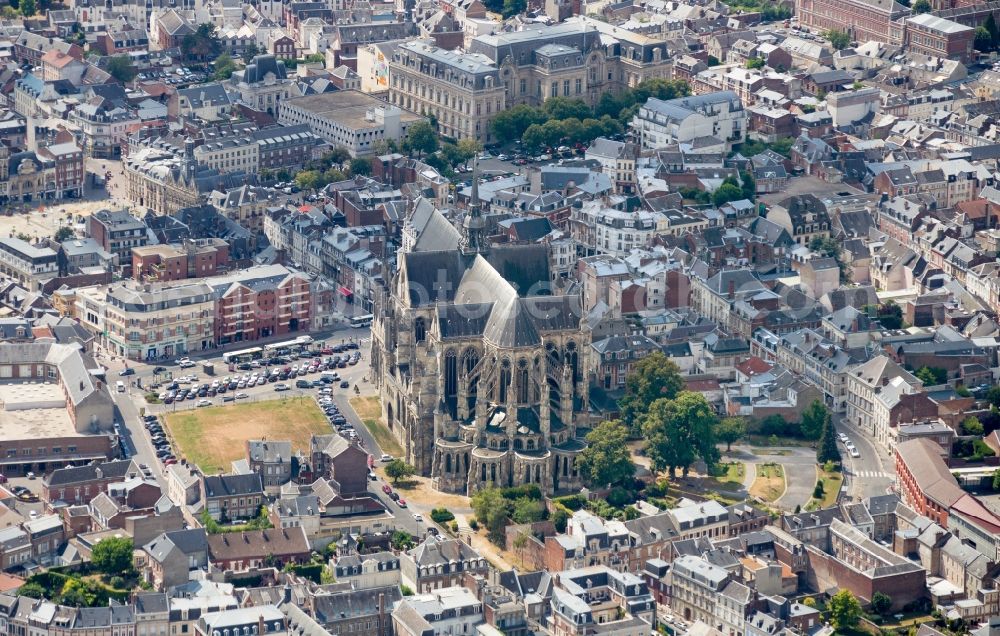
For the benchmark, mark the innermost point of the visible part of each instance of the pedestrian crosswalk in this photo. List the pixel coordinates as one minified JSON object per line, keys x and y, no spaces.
{"x":871,"y":474}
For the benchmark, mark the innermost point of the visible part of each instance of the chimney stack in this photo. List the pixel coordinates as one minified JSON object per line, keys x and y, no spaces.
{"x":732,"y":289}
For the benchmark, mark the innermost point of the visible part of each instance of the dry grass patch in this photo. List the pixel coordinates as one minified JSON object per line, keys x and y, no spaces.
{"x":214,"y":436}
{"x":370,"y":412}
{"x":770,"y":482}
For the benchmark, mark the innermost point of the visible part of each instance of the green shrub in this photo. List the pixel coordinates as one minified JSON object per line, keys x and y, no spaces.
{"x":441,"y":515}
{"x":473,"y":524}
{"x":454,"y":527}
{"x":572,"y":502}
{"x":619,"y":497}
{"x":818,"y":490}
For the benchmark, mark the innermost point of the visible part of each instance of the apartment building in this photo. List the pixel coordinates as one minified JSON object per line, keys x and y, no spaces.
{"x":147,"y":322}
{"x":117,"y":232}
{"x":866,"y":380}
{"x":27,"y":264}
{"x":191,"y":259}
{"x":462,"y":90}
{"x":663,"y":122}
{"x":233,"y":497}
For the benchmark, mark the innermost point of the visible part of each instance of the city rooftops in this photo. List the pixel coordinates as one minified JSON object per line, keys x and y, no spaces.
{"x":350,"y":108}
{"x":935,"y":23}
{"x":471,"y":62}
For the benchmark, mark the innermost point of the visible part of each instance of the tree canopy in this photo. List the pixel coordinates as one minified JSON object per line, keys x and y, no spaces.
{"x":398,"y":469}
{"x":113,"y":555}
{"x":606,"y":460}
{"x":680,"y":430}
{"x":827,"y":450}
{"x":729,"y":430}
{"x":837,"y":39}
{"x":813,"y":420}
{"x":421,"y":137}
{"x":202,"y":45}
{"x":652,"y":378}
{"x":845,"y":610}
{"x":120,"y":68}
{"x":224,"y":67}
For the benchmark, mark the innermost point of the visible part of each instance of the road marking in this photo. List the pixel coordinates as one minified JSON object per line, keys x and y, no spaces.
{"x":871,"y":474}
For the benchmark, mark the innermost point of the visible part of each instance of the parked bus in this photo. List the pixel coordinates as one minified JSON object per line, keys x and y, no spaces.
{"x":243,"y":355}
{"x":357,"y":322}
{"x":298,"y":343}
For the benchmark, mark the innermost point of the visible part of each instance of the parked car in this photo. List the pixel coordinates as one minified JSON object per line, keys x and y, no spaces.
{"x":127,"y":371}
{"x":387,"y":489}
{"x":281,"y":387}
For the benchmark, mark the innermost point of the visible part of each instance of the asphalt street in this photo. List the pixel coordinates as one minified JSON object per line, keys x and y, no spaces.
{"x":869,"y":475}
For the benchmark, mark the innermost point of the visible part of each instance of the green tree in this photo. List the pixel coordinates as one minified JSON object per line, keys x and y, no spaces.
{"x":984,"y":41}
{"x":422,"y":138}
{"x":361,"y":166}
{"x":991,"y":25}
{"x":468,"y":149}
{"x":520,"y":543}
{"x":921,"y":6}
{"x":748,"y":186}
{"x":64,"y":233}
{"x":250,"y":51}
{"x":527,"y":510}
{"x":972,"y":426}
{"x":224,"y":67}
{"x":993,"y":396}
{"x":837,"y":39}
{"x":712,"y":61}
{"x":113,"y":555}
{"x":725,"y":193}
{"x":309,"y":180}
{"x":881,"y":602}
{"x":120,"y":68}
{"x":513,"y":7}
{"x":813,"y":420}
{"x":845,"y":610}
{"x":606,"y":460}
{"x":889,"y":315}
{"x":680,"y":430}
{"x":566,"y":107}
{"x":932,"y":376}
{"x":655,"y":376}
{"x":202,"y":45}
{"x":533,"y":137}
{"x":75,"y":593}
{"x":492,"y":510}
{"x":755,"y":62}
{"x":401,"y":540}
{"x":827,"y":450}
{"x":31,"y":589}
{"x":729,"y":430}
{"x":398,"y":469}
{"x":27,"y":8}
{"x":996,"y":480}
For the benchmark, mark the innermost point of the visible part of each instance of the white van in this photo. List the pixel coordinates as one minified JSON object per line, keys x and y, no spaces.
{"x":120,"y":386}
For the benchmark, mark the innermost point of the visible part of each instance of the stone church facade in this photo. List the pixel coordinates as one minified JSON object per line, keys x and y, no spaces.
{"x":478,"y":358}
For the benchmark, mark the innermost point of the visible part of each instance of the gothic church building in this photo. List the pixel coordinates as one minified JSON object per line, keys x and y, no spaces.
{"x":477,"y":353}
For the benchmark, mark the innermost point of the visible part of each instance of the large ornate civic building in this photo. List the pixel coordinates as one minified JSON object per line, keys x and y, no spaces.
{"x":477,"y":354}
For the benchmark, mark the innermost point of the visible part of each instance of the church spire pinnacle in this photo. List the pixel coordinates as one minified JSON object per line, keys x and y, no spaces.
{"x":474,"y":225}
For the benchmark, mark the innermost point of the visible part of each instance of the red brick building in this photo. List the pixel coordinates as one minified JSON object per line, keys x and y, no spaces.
{"x":925,"y":484}
{"x":864,"y":20}
{"x":281,"y":304}
{"x":939,"y":37}
{"x":193,"y":259}
{"x":80,"y":484}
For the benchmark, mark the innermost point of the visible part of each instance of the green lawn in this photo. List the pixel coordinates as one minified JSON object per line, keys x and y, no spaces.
{"x":370,"y":412}
{"x":214,"y":436}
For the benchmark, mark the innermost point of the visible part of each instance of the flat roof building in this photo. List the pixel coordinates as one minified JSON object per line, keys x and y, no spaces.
{"x":350,"y":119}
